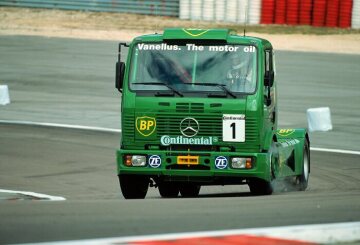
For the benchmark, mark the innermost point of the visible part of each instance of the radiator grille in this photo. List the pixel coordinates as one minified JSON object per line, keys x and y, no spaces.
{"x":169,"y":124}
{"x":190,"y":107}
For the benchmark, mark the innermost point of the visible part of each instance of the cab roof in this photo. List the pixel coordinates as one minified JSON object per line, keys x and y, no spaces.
{"x":224,"y":35}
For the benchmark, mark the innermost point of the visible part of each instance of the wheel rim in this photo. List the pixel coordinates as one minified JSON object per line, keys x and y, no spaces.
{"x":306,"y":166}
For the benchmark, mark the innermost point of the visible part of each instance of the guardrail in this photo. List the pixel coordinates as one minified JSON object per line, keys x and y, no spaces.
{"x":238,"y":11}
{"x":151,"y":7}
{"x":330,"y":13}
{"x":319,"y":13}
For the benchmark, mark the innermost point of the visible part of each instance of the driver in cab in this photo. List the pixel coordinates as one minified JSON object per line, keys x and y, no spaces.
{"x":239,"y":75}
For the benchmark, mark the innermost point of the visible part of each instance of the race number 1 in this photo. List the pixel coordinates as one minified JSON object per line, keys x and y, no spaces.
{"x":233,"y":128}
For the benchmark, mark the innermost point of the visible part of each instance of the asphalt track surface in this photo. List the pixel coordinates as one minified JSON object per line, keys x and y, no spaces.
{"x":71,"y":81}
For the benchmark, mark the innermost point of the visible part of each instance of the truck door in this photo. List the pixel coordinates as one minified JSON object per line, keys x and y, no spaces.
{"x":270,"y":102}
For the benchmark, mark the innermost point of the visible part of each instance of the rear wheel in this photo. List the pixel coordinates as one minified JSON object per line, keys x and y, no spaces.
{"x":134,"y":186}
{"x":303,"y":179}
{"x":168,"y":189}
{"x":189,"y":190}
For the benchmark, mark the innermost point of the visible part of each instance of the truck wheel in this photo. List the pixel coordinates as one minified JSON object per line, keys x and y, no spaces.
{"x":168,"y":189}
{"x":263,"y":187}
{"x":189,"y":190}
{"x":134,"y":186}
{"x":260,"y":187}
{"x":303,"y":178}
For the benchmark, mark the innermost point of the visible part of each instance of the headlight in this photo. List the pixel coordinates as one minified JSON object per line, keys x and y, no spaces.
{"x":135,"y":160}
{"x":241,"y":162}
{"x":138,"y":161}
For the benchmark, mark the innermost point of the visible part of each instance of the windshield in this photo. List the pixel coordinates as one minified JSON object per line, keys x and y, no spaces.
{"x":189,"y":68}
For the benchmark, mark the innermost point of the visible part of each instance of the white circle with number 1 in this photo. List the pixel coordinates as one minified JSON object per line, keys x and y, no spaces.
{"x":233,"y":128}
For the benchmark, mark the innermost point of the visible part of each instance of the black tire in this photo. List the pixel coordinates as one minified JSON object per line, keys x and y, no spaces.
{"x":303,"y":179}
{"x":189,"y":190}
{"x":260,"y":187}
{"x":263,"y":187}
{"x":134,"y":186}
{"x":168,"y":189}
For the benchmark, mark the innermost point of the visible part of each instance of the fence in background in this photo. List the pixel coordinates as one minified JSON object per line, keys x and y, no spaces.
{"x":330,"y":13}
{"x":238,"y":11}
{"x":355,"y":20}
{"x":151,"y":7}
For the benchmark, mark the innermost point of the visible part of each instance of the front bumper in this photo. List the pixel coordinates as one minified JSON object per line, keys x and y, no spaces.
{"x":205,"y":168}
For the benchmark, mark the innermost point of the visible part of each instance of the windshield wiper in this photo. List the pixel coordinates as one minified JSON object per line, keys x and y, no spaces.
{"x":164,"y":84}
{"x":222,"y":86}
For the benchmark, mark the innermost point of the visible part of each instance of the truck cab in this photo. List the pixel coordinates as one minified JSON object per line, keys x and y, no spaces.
{"x":199,"y":107}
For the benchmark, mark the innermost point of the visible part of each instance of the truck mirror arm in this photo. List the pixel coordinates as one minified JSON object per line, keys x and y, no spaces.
{"x":119,"y":53}
{"x":269,"y":78}
{"x":267,"y":97}
{"x":120,"y":69}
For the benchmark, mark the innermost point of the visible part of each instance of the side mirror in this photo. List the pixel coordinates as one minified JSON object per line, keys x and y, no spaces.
{"x":269,"y":78}
{"x":119,"y":75}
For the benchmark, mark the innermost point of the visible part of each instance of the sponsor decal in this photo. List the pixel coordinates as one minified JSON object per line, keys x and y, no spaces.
{"x":221,"y":162}
{"x":290,"y":142}
{"x":195,"y":32}
{"x":189,"y":127}
{"x":162,"y":46}
{"x":154,"y":161}
{"x":166,"y":140}
{"x":233,"y":128}
{"x":285,"y":132}
{"x":145,"y":125}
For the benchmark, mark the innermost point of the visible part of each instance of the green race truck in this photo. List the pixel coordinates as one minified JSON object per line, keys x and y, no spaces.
{"x":199,"y":107}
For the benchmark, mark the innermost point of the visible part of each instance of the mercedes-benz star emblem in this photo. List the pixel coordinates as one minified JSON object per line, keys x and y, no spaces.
{"x":189,"y":127}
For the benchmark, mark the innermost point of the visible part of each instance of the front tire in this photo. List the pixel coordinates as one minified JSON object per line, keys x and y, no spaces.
{"x":260,"y":187}
{"x":134,"y":186}
{"x":168,"y":189}
{"x":189,"y":190}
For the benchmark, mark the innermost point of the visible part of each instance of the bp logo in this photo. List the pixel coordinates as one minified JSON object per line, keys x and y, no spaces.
{"x":285,"y":132}
{"x":195,"y":32}
{"x":145,"y":125}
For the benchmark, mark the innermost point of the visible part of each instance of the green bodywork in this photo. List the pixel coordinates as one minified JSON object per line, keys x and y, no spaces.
{"x":275,"y":152}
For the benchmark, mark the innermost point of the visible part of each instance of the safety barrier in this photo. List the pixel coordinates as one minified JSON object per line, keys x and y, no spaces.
{"x":355,"y":20}
{"x":151,"y":7}
{"x":238,"y":11}
{"x":329,"y":13}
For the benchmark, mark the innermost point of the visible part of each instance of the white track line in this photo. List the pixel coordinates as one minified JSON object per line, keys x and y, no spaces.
{"x":34,"y":194}
{"x":335,"y":151}
{"x":321,"y":233}
{"x":58,"y":125}
{"x":112,"y":130}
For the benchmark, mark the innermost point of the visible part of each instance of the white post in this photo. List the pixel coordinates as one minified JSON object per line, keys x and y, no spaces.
{"x":4,"y":95}
{"x":319,"y":119}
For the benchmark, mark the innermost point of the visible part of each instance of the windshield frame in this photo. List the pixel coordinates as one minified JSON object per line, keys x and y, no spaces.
{"x":220,"y":91}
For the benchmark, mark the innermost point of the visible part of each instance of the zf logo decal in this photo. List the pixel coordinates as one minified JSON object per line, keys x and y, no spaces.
{"x":145,"y":125}
{"x":221,"y":162}
{"x":154,"y":161}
